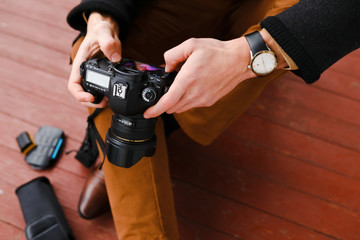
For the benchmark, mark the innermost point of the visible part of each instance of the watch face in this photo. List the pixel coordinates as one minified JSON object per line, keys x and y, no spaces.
{"x":263,"y":63}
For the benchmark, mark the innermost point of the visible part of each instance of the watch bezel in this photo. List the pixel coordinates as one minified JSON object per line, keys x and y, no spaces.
{"x":256,"y":55}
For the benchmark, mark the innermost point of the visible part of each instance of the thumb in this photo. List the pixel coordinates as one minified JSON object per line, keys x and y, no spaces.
{"x":179,"y":54}
{"x":111,"y":47}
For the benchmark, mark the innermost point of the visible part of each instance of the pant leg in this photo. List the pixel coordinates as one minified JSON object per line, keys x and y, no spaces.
{"x":141,"y":197}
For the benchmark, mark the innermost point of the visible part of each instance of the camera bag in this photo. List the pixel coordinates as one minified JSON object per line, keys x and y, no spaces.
{"x":42,"y":212}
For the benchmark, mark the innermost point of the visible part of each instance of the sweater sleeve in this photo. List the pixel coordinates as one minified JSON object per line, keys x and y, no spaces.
{"x":123,"y":11}
{"x":316,"y":34}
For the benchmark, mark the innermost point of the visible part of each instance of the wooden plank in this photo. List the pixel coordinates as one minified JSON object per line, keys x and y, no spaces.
{"x":67,"y":4}
{"x":101,"y":228}
{"x":234,"y":218}
{"x":10,"y":232}
{"x":192,"y":230}
{"x":297,"y":145}
{"x":294,"y":106}
{"x":350,"y":66}
{"x":29,"y":81}
{"x":317,"y":182}
{"x":51,"y":37}
{"x":53,"y":15}
{"x":270,"y":197}
{"x":10,"y":211}
{"x":36,"y":56}
{"x":339,"y":83}
{"x":33,"y":108}
{"x":337,"y":79}
{"x":311,"y":98}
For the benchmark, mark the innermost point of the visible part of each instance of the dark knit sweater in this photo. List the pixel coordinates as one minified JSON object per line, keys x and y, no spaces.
{"x":122,"y":11}
{"x":314,"y":33}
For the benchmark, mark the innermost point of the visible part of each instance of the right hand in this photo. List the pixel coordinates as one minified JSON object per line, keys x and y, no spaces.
{"x":102,"y":36}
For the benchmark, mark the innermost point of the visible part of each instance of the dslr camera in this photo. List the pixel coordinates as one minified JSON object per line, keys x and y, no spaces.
{"x":131,"y":87}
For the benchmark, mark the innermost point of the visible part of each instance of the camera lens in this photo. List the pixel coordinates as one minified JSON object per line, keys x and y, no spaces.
{"x":149,"y":94}
{"x":129,"y":139}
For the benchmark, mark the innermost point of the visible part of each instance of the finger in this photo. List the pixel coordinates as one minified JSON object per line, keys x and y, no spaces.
{"x":74,"y":84}
{"x":110,"y":46}
{"x":181,"y":103}
{"x":195,"y":100}
{"x":167,"y":101}
{"x":179,"y":54}
{"x":102,"y":104}
{"x":188,"y":101}
{"x":184,"y":108}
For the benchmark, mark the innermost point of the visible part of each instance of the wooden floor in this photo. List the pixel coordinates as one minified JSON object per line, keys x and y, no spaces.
{"x":289,"y":168}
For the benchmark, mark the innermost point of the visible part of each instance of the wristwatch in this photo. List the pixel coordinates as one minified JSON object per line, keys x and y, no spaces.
{"x":263,"y":60}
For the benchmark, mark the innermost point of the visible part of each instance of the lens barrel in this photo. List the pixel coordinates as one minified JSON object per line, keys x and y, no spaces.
{"x":129,"y":139}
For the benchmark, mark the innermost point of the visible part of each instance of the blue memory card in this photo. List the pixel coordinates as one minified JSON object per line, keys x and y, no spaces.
{"x":57,"y":148}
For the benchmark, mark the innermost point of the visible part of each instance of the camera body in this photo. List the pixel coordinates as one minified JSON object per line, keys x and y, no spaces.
{"x":131,"y":87}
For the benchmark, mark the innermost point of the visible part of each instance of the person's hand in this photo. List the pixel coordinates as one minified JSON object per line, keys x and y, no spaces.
{"x":212,"y":69}
{"x":102,"y":35}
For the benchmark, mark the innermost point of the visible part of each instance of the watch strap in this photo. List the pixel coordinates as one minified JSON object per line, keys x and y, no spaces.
{"x":256,"y":42}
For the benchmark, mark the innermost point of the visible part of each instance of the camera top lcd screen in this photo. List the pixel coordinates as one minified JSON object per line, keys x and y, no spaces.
{"x":97,"y":78}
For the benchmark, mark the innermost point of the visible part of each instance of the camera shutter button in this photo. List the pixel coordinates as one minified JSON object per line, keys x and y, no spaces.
{"x":148,"y":94}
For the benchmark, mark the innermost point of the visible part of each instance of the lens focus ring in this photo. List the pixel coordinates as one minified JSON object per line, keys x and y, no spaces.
{"x":149,"y":94}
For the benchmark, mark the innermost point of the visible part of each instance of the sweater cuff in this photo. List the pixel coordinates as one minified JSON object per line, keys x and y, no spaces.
{"x":308,"y":70}
{"x":76,"y":20}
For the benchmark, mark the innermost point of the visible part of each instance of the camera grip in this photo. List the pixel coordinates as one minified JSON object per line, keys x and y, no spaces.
{"x":97,"y":98}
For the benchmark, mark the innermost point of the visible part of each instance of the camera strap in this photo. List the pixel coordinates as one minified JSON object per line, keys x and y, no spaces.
{"x":88,"y":152}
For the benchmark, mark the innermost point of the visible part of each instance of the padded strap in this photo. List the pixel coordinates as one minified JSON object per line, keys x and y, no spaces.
{"x":45,"y":228}
{"x":94,"y":132}
{"x":88,"y":151}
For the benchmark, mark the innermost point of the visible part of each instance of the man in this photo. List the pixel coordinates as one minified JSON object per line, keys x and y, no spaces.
{"x":222,"y":72}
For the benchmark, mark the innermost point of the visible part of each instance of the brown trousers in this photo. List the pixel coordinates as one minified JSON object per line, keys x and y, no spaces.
{"x":141,"y":197}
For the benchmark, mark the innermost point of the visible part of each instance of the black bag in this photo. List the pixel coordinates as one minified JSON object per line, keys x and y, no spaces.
{"x":42,"y":212}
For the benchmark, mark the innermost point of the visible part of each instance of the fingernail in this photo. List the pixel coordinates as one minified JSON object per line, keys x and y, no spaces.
{"x":115,"y":57}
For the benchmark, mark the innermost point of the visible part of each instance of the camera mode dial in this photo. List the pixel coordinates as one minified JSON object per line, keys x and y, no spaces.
{"x":149,"y":94}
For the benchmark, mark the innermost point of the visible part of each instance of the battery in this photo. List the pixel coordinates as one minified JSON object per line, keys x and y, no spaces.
{"x":25,"y":142}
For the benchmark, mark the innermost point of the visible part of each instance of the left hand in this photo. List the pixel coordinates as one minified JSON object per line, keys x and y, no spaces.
{"x":211,"y":70}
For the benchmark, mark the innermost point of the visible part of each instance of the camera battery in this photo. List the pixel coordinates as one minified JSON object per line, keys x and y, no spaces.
{"x":49,"y":143}
{"x":25,"y":142}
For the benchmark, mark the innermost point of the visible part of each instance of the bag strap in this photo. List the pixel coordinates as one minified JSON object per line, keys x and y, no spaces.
{"x":88,"y":151}
{"x":93,"y":129}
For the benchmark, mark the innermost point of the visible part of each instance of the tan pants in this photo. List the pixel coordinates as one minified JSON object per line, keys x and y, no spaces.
{"x":141,"y":197}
